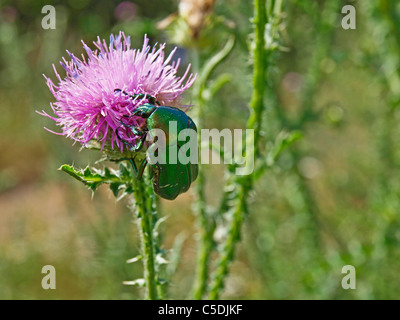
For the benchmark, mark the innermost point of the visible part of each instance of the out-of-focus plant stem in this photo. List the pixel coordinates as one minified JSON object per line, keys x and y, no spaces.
{"x":244,"y":184}
{"x":144,"y":203}
{"x":206,"y":220}
{"x":385,"y":27}
{"x":324,"y":31}
{"x":388,"y":8}
{"x":388,"y":20}
{"x":205,"y":241}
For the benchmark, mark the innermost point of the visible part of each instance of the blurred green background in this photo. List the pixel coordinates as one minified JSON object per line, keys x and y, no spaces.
{"x":332,"y":200}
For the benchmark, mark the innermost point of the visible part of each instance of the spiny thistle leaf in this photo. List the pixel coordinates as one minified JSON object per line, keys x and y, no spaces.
{"x":137,"y":282}
{"x":216,"y":85}
{"x":175,"y":255}
{"x":162,"y":281}
{"x":158,"y":224}
{"x":160,"y":259}
{"x":283,"y":140}
{"x":214,"y":61}
{"x":93,"y":178}
{"x":115,"y":188}
{"x":135,"y":259}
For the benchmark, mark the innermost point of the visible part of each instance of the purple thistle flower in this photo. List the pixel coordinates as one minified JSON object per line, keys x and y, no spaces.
{"x":89,"y":106}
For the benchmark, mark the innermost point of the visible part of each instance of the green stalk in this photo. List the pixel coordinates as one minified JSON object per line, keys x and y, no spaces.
{"x":205,"y":243}
{"x":324,"y":33}
{"x":228,"y":249}
{"x":144,"y":202}
{"x":204,"y":250}
{"x":244,"y":184}
{"x":206,"y":220}
{"x":259,"y":74}
{"x":384,"y":22}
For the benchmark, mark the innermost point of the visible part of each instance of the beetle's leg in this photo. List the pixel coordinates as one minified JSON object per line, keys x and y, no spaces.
{"x":150,"y":98}
{"x":125,"y":93}
{"x":135,"y":131}
{"x":142,"y":95}
{"x":144,"y":111}
{"x":145,"y":96}
{"x":138,"y":172}
{"x":123,"y":140}
{"x":132,"y":148}
{"x":141,"y":168}
{"x":139,"y":145}
{"x":134,"y":167}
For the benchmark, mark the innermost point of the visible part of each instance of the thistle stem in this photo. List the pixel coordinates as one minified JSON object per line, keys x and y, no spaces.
{"x":228,"y":249}
{"x":244,"y":184}
{"x":205,"y":241}
{"x":204,"y":249}
{"x":144,"y":204}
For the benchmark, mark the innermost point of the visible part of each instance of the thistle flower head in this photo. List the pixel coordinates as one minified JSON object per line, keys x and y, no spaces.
{"x":96,"y":98}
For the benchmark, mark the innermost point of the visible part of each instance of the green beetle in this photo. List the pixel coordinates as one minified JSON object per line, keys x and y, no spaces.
{"x":169,"y":179}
